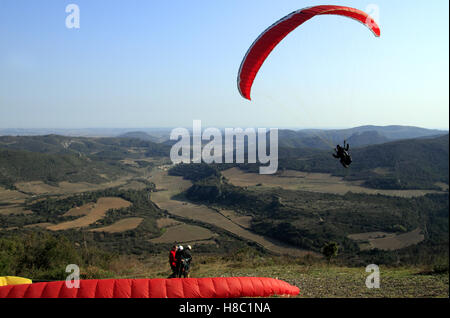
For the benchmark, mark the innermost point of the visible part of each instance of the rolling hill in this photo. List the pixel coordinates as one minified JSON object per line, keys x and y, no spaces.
{"x":55,"y":158}
{"x":101,"y":148}
{"x":299,"y":218}
{"x":21,"y":165}
{"x":405,"y":164}
{"x":357,"y":137}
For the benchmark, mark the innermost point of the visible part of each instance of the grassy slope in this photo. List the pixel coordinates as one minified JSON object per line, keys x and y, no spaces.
{"x":314,"y":278}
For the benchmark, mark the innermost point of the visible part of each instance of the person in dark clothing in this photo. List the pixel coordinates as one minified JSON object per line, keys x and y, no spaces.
{"x":178,"y":254}
{"x":186,"y":258}
{"x":343,"y":155}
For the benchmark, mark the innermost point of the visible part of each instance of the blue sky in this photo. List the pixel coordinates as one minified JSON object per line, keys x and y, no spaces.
{"x":165,"y":63}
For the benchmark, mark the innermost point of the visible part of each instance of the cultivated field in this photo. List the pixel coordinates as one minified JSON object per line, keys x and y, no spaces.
{"x":166,"y":222}
{"x":314,"y":182}
{"x":120,"y":226}
{"x":13,"y":209}
{"x":12,"y":196}
{"x":41,"y":225}
{"x":166,"y":185}
{"x":244,"y":221}
{"x":11,"y":201}
{"x":94,"y":213}
{"x":81,"y":210}
{"x":133,"y":185}
{"x":184,"y":233}
{"x":39,"y":187}
{"x":387,"y":241}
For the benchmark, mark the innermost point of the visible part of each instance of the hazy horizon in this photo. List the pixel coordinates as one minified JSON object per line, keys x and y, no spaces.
{"x":137,"y":128}
{"x":155,"y":128}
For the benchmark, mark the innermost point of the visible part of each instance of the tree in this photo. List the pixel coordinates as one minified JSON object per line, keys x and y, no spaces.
{"x":330,"y":250}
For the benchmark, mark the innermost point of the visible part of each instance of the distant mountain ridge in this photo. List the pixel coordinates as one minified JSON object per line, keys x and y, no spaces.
{"x":323,"y":138}
{"x":357,"y":136}
{"x":99,"y":148}
{"x":303,"y":138}
{"x":80,"y":132}
{"x":144,"y":136}
{"x":370,"y":137}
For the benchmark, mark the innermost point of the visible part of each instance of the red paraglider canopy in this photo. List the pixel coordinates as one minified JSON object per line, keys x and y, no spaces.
{"x":269,"y":39}
{"x":218,"y":287}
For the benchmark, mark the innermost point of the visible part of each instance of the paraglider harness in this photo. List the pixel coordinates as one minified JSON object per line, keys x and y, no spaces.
{"x":184,"y":263}
{"x":343,"y":154}
{"x":185,"y":266}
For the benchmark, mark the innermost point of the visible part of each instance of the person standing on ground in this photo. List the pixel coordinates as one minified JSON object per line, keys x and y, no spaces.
{"x":173,"y":261}
{"x":178,"y":257}
{"x":186,"y":258}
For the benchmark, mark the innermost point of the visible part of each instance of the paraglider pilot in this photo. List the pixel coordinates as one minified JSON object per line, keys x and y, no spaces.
{"x":186,"y":258}
{"x":183,"y":258}
{"x":343,"y":155}
{"x":178,"y":254}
